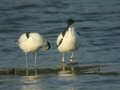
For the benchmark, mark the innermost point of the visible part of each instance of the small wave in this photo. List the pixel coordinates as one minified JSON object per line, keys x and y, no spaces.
{"x":80,"y":70}
{"x":9,"y":31}
{"x":25,"y":6}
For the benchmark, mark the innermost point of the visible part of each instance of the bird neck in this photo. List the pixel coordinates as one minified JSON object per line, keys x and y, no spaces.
{"x":69,"y":28}
{"x":69,"y":25}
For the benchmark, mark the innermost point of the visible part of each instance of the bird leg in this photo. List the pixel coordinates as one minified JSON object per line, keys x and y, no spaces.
{"x":26,"y":59}
{"x":63,"y":59}
{"x":35,"y":57}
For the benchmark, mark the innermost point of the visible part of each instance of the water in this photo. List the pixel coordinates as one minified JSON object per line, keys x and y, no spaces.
{"x":96,"y":63}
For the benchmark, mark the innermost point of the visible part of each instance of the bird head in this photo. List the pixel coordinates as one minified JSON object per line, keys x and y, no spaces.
{"x":70,"y":22}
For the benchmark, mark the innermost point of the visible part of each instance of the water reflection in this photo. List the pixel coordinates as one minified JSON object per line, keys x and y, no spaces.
{"x":29,"y":79}
{"x":66,"y":76}
{"x":30,"y":83}
{"x":28,"y":72}
{"x":62,"y":70}
{"x":66,"y":71}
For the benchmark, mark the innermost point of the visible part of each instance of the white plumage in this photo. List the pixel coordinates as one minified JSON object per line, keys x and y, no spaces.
{"x":68,"y":41}
{"x":31,"y":42}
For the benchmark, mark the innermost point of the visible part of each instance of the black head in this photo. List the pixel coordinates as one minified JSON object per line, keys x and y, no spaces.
{"x":49,"y":46}
{"x":27,"y":34}
{"x":70,"y":22}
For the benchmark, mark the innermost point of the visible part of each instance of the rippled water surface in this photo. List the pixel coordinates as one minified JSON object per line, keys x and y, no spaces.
{"x":96,"y":65}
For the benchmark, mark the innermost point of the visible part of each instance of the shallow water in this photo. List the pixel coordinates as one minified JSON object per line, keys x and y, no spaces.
{"x":96,"y":63}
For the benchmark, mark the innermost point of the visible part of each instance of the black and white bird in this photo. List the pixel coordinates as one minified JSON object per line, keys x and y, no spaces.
{"x":32,"y":42}
{"x":68,"y":40}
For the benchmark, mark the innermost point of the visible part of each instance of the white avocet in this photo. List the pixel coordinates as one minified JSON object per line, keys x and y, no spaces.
{"x":68,"y":40}
{"x":32,"y":42}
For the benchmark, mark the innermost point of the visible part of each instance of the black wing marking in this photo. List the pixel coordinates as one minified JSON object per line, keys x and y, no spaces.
{"x":63,"y":34}
{"x":48,"y":43}
{"x":60,"y":43}
{"x":78,"y":33}
{"x":27,"y":34}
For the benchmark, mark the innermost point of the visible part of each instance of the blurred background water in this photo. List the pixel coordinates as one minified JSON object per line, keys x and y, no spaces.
{"x":97,"y":60}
